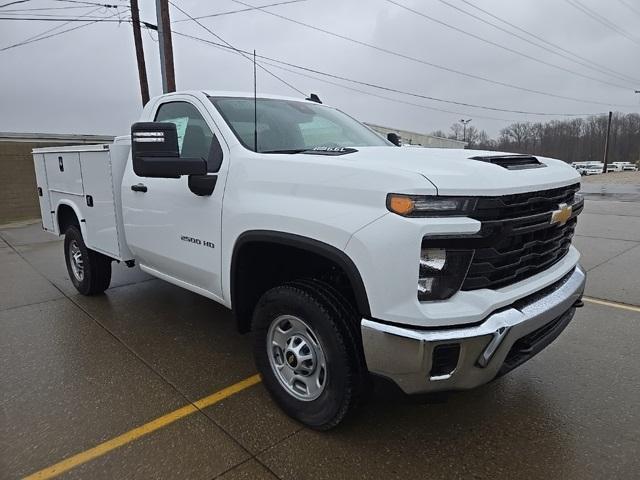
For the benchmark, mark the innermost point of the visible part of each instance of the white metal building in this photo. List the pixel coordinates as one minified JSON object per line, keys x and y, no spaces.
{"x":420,"y":139}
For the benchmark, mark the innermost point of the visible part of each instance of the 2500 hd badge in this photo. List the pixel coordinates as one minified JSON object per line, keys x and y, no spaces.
{"x":197,"y":241}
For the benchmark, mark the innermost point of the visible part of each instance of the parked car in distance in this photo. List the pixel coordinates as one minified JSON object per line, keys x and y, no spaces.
{"x":624,"y":167}
{"x":590,"y":168}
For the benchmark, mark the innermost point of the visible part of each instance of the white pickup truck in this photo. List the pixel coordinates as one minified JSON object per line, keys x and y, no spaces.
{"x":343,"y":254}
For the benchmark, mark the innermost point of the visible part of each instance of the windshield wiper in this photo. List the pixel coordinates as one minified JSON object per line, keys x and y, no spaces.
{"x":290,"y":150}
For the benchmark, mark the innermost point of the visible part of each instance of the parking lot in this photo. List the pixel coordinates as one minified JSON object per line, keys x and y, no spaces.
{"x":152,"y":381}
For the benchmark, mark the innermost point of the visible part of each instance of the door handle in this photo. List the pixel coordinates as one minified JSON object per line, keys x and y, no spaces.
{"x":139,"y":188}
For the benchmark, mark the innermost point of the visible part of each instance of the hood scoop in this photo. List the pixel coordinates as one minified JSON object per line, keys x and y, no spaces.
{"x":511,"y":162}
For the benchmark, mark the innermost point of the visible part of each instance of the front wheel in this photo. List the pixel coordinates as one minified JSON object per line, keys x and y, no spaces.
{"x":89,"y":271}
{"x":306,"y":353}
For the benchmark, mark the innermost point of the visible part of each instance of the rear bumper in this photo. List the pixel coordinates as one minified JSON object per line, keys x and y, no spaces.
{"x":421,"y":361}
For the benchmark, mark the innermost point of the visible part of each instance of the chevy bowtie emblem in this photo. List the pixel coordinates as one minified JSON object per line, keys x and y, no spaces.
{"x":562,"y":215}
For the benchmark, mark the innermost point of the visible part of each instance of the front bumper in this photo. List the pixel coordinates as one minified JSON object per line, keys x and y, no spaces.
{"x":421,"y":361}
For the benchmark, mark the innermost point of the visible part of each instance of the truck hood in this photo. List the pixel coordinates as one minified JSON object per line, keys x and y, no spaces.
{"x":454,"y":172}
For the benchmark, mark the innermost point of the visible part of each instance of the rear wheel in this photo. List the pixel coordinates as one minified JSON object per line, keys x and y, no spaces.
{"x":306,"y":354}
{"x":89,"y":271}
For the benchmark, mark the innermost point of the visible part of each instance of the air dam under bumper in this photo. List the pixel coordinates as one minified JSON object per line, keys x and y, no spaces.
{"x":466,"y":357}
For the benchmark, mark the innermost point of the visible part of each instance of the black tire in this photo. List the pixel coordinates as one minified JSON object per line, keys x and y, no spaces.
{"x":96,"y":267}
{"x":331,"y":318}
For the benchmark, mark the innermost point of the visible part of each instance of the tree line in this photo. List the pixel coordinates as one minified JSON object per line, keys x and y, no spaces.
{"x":571,"y":140}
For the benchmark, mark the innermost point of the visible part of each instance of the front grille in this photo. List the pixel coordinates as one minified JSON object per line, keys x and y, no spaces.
{"x":517,"y":239}
{"x":523,"y":204}
{"x":519,"y":256}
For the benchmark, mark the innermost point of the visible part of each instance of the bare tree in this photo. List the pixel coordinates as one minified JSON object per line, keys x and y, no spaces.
{"x":472,"y":136}
{"x":456,"y":131}
{"x":573,"y":140}
{"x":438,"y":133}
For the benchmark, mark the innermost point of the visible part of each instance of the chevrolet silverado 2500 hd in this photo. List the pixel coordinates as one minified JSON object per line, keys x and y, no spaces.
{"x":342,"y":253}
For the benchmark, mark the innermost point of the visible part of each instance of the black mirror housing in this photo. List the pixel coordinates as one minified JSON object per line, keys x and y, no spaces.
{"x":394,"y":138}
{"x":155,"y":153}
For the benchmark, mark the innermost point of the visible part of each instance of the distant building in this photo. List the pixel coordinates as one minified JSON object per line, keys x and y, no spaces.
{"x":18,"y":197}
{"x":418,"y":139}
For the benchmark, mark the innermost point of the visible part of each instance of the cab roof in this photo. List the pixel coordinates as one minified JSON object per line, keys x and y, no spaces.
{"x":225,"y":93}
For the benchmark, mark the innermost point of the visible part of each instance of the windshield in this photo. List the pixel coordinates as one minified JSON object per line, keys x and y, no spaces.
{"x":290,"y":126}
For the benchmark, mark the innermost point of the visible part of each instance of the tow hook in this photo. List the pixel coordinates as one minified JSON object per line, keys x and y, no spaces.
{"x":579,"y":303}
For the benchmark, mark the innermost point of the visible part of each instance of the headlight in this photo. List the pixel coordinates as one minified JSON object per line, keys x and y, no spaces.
{"x":442,"y":272}
{"x":429,"y":206}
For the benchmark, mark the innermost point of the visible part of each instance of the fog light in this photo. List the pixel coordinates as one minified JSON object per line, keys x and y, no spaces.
{"x":441,"y":272}
{"x":433,"y":258}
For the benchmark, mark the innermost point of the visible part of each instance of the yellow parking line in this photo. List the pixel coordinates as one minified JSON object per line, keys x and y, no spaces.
{"x":131,"y":435}
{"x":622,"y":306}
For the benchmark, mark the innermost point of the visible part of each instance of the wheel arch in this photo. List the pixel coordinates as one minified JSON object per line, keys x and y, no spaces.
{"x":301,"y":243}
{"x":68,"y":213}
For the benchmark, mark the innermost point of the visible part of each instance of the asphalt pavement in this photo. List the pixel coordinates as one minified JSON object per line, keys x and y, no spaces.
{"x":113,"y":385}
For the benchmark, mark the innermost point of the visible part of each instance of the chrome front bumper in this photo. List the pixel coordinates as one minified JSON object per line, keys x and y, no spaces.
{"x":504,"y":340}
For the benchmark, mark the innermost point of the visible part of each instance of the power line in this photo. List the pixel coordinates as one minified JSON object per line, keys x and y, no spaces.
{"x":376,"y":95}
{"x":434,"y":65}
{"x":239,"y":10}
{"x":347,"y":87}
{"x":384,"y":97}
{"x":44,"y":16}
{"x":110,"y":5}
{"x":57,"y":27}
{"x":543,"y":47}
{"x":503,"y":47}
{"x":600,"y":19}
{"x":31,"y":19}
{"x":28,"y":41}
{"x":599,"y":67}
{"x":381,"y":87}
{"x":13,"y":3}
{"x":26,"y":10}
{"x":80,"y":4}
{"x":630,"y":7}
{"x":234,"y":48}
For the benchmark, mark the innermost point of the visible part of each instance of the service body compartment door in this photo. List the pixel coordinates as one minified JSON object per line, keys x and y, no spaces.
{"x":99,"y":206}
{"x":63,"y":172}
{"x":43,"y":192}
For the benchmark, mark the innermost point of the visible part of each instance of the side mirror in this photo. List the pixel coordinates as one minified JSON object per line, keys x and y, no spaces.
{"x":394,"y":138}
{"x":155,"y":153}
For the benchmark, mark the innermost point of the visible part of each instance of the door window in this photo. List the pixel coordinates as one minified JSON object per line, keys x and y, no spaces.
{"x":195,"y":138}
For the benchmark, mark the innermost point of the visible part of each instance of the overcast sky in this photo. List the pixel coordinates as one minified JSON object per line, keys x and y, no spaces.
{"x":86,"y":81}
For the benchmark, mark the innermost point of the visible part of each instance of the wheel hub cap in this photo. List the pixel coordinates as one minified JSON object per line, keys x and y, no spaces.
{"x":296,"y":357}
{"x":75,"y":257}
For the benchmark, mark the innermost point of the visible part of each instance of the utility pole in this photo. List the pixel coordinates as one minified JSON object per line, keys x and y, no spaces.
{"x":137,"y":39}
{"x":464,"y":129}
{"x":606,"y":144}
{"x":166,"y":46}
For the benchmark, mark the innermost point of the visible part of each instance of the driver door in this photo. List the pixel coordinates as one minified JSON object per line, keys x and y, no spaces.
{"x":175,"y":233}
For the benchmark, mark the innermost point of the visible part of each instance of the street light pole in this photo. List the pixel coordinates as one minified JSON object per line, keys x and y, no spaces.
{"x":464,"y":128}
